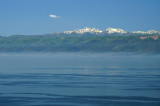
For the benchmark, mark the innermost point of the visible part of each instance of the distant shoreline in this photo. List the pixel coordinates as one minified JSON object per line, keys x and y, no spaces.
{"x":78,"y":53}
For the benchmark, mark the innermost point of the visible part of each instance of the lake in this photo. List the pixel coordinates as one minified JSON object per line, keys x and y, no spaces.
{"x":113,"y":79}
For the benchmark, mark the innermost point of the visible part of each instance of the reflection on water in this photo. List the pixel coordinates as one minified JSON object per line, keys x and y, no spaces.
{"x":116,"y":80}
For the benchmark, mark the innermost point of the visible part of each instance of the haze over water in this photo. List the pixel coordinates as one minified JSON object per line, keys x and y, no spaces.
{"x":80,"y":79}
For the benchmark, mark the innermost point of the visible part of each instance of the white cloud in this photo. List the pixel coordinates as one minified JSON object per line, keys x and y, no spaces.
{"x":53,"y":16}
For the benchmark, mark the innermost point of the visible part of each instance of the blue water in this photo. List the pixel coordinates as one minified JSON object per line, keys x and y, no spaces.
{"x":79,"y":80}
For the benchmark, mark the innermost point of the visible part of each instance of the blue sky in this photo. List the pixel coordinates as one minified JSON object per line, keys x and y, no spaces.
{"x":32,"y":16}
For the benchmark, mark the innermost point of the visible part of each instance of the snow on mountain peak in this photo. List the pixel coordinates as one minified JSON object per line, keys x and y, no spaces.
{"x":114,"y":30}
{"x":87,"y":29}
{"x":108,"y":31}
{"x":138,"y":32}
{"x":153,"y":32}
{"x":84,"y":30}
{"x":147,"y":32}
{"x":67,"y":32}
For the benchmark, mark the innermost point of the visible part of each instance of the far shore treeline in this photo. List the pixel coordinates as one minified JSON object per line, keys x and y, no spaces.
{"x":77,"y":43}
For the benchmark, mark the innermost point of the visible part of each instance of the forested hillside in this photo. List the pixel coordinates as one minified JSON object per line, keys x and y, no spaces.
{"x":50,"y":43}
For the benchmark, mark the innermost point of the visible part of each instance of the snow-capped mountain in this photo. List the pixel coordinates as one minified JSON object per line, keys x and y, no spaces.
{"x":96,"y":31}
{"x":147,"y":32}
{"x":153,"y":32}
{"x":114,"y":30}
{"x":138,"y":32}
{"x":108,"y":31}
{"x":84,"y":30}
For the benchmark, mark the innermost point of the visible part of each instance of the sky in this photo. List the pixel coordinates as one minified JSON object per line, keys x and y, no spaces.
{"x":33,"y":17}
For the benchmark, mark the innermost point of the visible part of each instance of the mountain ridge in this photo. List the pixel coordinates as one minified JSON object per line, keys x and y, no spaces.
{"x":107,"y":31}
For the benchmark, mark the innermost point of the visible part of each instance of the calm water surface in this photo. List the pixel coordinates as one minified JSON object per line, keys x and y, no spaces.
{"x":80,"y":80}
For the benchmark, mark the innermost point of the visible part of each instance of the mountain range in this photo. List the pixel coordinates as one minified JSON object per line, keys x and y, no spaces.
{"x":108,"y":31}
{"x":84,"y":40}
